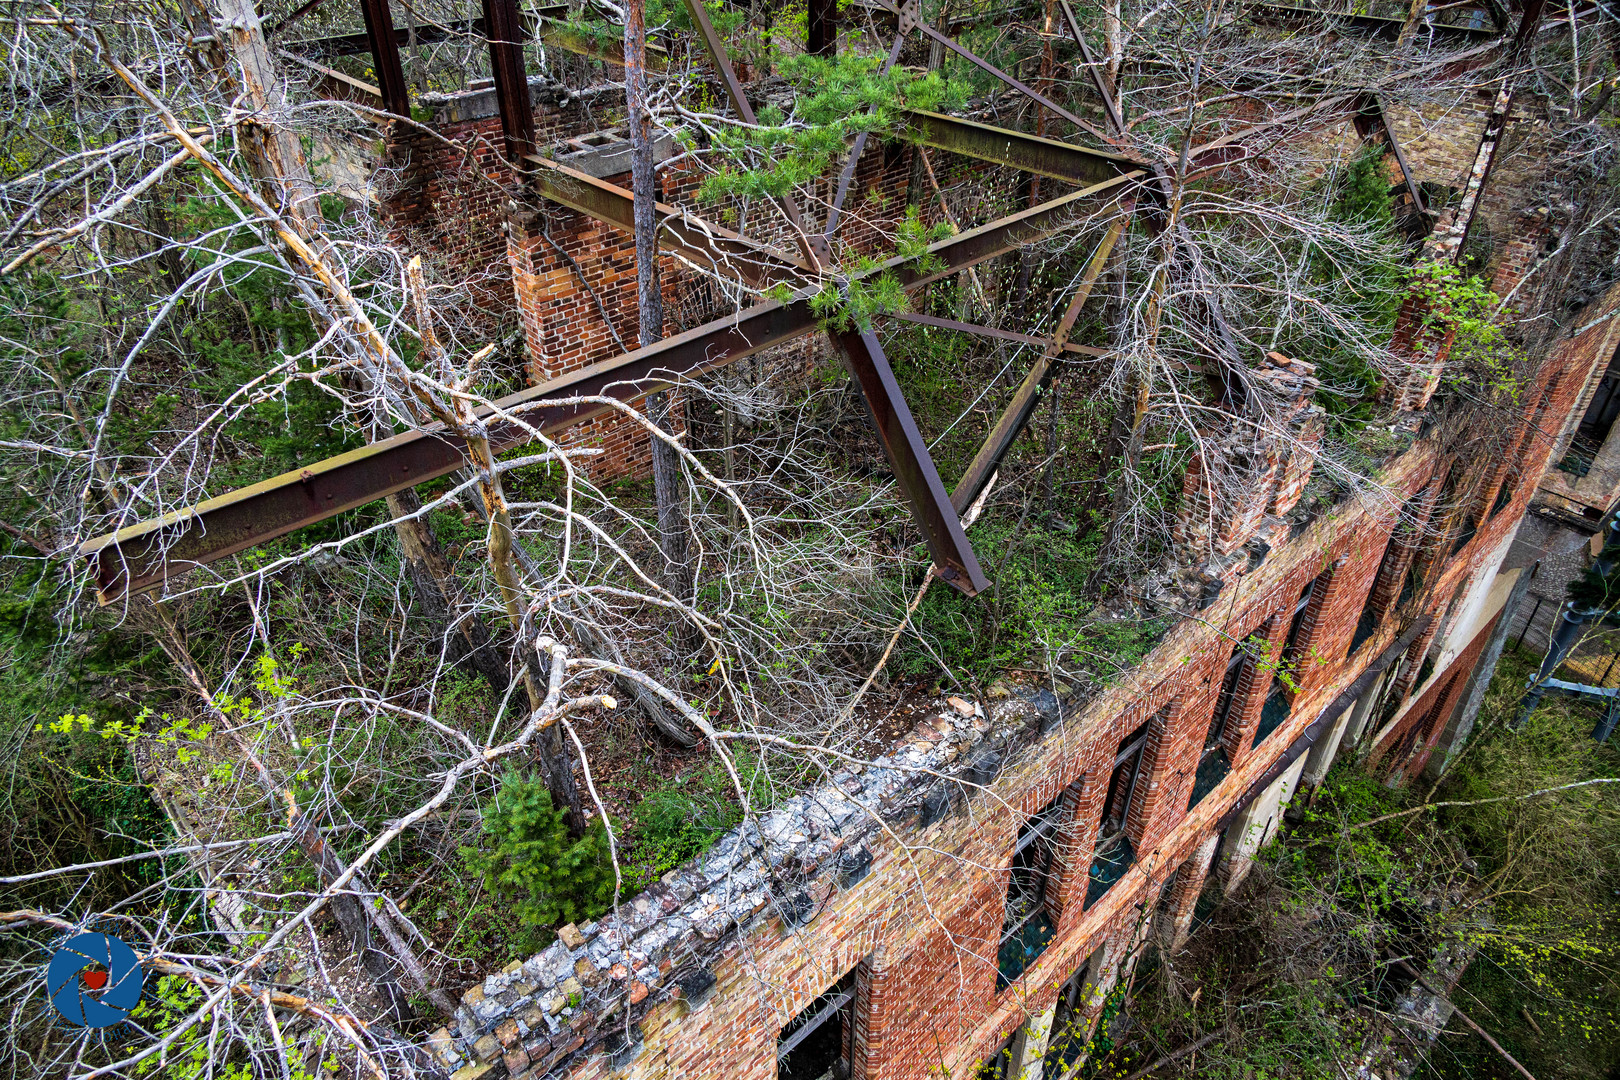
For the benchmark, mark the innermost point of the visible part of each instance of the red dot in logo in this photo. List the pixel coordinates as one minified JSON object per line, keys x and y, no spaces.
{"x":95,"y":980}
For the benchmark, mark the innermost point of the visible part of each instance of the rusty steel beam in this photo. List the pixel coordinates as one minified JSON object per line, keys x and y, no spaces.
{"x":506,"y":34}
{"x":384,"y":47}
{"x":688,"y":236}
{"x":355,"y":44}
{"x":1031,"y":153}
{"x":1375,"y":25}
{"x":146,"y":555}
{"x":559,"y":35}
{"x":1028,"y":91}
{"x":859,"y":147}
{"x":817,"y":253}
{"x":1370,"y":120}
{"x":907,"y":452}
{"x":1116,"y":122}
{"x":1024,"y":399}
{"x":297,"y":13}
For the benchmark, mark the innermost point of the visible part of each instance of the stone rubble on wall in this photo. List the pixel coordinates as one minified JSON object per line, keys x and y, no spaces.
{"x":526,"y":1018}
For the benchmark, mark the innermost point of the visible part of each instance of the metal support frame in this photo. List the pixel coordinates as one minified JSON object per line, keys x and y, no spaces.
{"x":1094,"y":70}
{"x":504,"y":26}
{"x":1018,"y":411}
{"x":1031,"y":153}
{"x":1370,"y":120}
{"x":816,"y":252}
{"x":907,"y":451}
{"x":146,"y":555}
{"x":385,"y":56}
{"x":689,"y":237}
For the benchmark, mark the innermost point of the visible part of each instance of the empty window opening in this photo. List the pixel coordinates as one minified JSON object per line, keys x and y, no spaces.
{"x":818,"y":1044}
{"x":1113,"y":854}
{"x":1593,"y":430}
{"x":1213,"y":764}
{"x":1026,"y":924}
{"x":998,"y":1066}
{"x":1069,"y":1028}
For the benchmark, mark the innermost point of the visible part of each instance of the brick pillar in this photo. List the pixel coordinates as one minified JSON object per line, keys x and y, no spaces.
{"x":1067,"y":894}
{"x":1250,"y":696}
{"x":1413,"y":662}
{"x":873,"y":996}
{"x":1184,"y":893}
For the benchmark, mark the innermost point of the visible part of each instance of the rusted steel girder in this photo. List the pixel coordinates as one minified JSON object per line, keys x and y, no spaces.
{"x":1116,"y":122}
{"x":814,"y":245}
{"x":385,"y":56}
{"x":704,"y":244}
{"x":907,"y":452}
{"x":146,"y":555}
{"x":1371,"y":120}
{"x":504,"y":27}
{"x":1018,"y":411}
{"x":297,"y":13}
{"x":1031,"y":153}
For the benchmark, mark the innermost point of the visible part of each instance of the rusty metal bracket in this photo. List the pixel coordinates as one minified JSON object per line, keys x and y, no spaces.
{"x":907,"y":452}
{"x":1024,"y":399}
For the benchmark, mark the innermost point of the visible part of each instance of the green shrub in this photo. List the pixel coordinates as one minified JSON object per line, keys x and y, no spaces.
{"x":684,"y":816}
{"x":529,"y":862}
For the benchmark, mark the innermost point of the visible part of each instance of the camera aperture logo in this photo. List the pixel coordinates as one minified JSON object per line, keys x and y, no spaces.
{"x":94,"y":980}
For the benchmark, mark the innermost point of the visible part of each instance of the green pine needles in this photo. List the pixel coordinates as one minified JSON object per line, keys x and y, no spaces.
{"x":531,"y":864}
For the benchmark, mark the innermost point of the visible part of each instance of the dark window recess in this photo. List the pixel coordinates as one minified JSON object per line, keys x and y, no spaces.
{"x":998,"y":1066}
{"x":1211,"y":771}
{"x":1425,"y":671}
{"x":1596,"y":423}
{"x":1504,"y":494}
{"x":1291,"y":644}
{"x":1279,"y":704}
{"x":1113,"y":854}
{"x":1409,"y":585}
{"x":816,"y":1044}
{"x":1026,"y":926}
{"x":1213,"y":764}
{"x":1367,"y":625}
{"x":1465,"y":534}
{"x":1069,"y":1028}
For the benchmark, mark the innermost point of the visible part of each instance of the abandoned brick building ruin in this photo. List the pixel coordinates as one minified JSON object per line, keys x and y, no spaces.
{"x":972,"y":897}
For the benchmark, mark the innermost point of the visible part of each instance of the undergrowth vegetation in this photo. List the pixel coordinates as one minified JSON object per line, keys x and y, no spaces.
{"x":1298,"y":973}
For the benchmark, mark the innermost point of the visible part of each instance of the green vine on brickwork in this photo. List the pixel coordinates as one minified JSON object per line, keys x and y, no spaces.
{"x":1481,"y":359}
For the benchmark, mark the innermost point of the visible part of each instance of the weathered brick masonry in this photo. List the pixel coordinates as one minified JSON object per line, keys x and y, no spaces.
{"x":698,"y":976}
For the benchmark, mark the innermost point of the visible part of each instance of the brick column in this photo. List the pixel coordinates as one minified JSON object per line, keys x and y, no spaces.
{"x":1413,"y":662}
{"x":1252,"y":685}
{"x":1081,"y":805}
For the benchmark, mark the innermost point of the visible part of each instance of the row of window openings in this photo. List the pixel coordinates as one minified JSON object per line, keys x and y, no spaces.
{"x":1068,"y":1034}
{"x":818,"y":1043}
